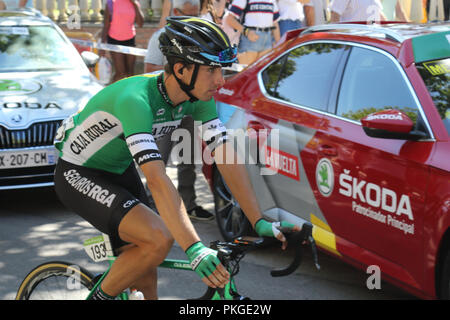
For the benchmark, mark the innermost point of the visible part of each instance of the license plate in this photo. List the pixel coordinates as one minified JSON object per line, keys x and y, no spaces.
{"x":27,"y":158}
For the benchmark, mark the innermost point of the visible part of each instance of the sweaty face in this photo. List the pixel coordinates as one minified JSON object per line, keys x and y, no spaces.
{"x":209,"y":80}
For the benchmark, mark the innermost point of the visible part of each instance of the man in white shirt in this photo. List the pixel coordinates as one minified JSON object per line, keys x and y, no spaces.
{"x":259,"y":28}
{"x":294,"y":14}
{"x":356,"y":10}
{"x":319,"y":9}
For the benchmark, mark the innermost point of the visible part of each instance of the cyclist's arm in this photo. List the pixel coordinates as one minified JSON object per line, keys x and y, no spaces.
{"x":169,"y":204}
{"x":237,"y":179}
{"x":235,"y":174}
{"x":137,"y":123}
{"x":172,"y":211}
{"x":203,"y":260}
{"x":143,"y":148}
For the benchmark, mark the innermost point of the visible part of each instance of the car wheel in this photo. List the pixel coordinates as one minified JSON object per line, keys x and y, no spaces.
{"x":445,"y":278}
{"x":231,"y":220}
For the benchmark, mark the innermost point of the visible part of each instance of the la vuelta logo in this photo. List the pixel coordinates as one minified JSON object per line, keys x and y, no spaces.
{"x":374,"y":195}
{"x":282,"y":162}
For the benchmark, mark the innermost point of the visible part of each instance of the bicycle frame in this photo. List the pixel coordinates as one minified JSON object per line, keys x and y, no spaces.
{"x":229,"y":254}
{"x":228,"y":293}
{"x":99,"y":249}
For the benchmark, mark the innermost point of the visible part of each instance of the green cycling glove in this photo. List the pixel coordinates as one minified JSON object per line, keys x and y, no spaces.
{"x":203,"y":260}
{"x":265,"y":228}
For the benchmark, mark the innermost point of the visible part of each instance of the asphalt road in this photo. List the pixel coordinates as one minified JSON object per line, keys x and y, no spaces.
{"x":35,"y":228}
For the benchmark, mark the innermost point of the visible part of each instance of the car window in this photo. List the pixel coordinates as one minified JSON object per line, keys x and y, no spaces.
{"x":436,"y":75}
{"x":34,"y":48}
{"x":304,"y":76}
{"x":372,"y":82}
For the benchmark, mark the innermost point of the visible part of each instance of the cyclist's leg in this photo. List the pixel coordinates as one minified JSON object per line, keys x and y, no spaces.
{"x":152,"y":242}
{"x":148,"y":284}
{"x":106,"y":200}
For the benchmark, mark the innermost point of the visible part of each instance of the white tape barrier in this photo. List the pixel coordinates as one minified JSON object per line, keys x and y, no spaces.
{"x":235,"y":67}
{"x":110,"y":47}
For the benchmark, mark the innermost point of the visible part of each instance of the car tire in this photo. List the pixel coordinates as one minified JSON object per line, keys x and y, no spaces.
{"x":445,"y":278}
{"x":231,"y":220}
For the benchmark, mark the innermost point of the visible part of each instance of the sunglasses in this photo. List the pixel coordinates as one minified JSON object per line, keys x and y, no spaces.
{"x":226,"y":56}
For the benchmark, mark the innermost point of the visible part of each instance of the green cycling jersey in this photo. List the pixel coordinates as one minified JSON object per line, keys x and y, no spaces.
{"x":125,"y":119}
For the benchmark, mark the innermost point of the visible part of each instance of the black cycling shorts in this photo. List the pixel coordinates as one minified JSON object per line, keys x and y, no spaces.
{"x":101,"y":198}
{"x":128,"y":43}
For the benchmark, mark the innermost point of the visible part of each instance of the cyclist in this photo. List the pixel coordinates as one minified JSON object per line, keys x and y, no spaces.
{"x":96,"y":177}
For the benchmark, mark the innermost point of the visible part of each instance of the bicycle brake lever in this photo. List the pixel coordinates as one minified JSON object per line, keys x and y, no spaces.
{"x":314,"y":251}
{"x":307,"y":232}
{"x":223,"y":255}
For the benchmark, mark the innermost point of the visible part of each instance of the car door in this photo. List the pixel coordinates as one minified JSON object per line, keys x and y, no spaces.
{"x":297,"y":89}
{"x":379,"y":187}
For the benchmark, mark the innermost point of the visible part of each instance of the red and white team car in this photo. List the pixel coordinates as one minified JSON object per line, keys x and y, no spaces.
{"x":360,"y":116}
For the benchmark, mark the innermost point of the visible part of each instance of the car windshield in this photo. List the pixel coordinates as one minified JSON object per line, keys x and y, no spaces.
{"x":436,"y":75}
{"x":34,"y":48}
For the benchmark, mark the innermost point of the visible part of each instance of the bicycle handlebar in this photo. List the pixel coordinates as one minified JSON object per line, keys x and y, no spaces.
{"x":297,"y":239}
{"x":233,"y":251}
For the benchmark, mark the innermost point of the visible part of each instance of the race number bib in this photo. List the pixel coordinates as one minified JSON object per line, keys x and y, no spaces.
{"x":98,"y":248}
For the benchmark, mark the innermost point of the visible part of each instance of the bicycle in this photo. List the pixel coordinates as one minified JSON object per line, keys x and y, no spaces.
{"x":58,"y":279}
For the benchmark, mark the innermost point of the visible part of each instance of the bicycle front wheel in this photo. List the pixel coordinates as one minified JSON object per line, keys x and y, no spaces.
{"x":56,"y":280}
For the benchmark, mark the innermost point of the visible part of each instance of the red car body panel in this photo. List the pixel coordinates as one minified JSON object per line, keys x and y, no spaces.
{"x":417,"y":171}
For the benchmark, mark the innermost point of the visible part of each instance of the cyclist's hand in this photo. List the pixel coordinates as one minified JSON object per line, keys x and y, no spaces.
{"x":204,"y":261}
{"x":265,"y":228}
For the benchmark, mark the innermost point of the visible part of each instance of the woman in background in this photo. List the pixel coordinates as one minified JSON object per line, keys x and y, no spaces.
{"x":118,"y":28}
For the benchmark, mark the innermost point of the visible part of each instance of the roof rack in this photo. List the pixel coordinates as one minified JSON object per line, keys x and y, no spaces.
{"x":355,"y":27}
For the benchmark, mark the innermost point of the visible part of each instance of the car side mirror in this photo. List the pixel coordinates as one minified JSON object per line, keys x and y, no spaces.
{"x":89,"y":58}
{"x":391,"y":124}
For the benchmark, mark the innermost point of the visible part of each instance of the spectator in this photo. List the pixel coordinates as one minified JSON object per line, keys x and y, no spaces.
{"x":320,"y":10}
{"x":292,"y":13}
{"x":309,"y":12}
{"x":118,"y":28}
{"x":165,"y":12}
{"x":356,"y":10}
{"x":215,"y":11}
{"x":233,"y":34}
{"x":155,"y":61}
{"x":259,"y":27}
{"x":446,"y":9}
{"x":212,"y":10}
{"x":393,"y":10}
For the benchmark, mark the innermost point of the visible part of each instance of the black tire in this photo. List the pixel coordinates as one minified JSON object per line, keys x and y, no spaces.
{"x":56,"y":280}
{"x":231,"y":220}
{"x":444,"y":293}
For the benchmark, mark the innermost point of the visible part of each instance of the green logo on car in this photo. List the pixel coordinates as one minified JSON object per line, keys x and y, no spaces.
{"x":10,"y":87}
{"x":325,"y":177}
